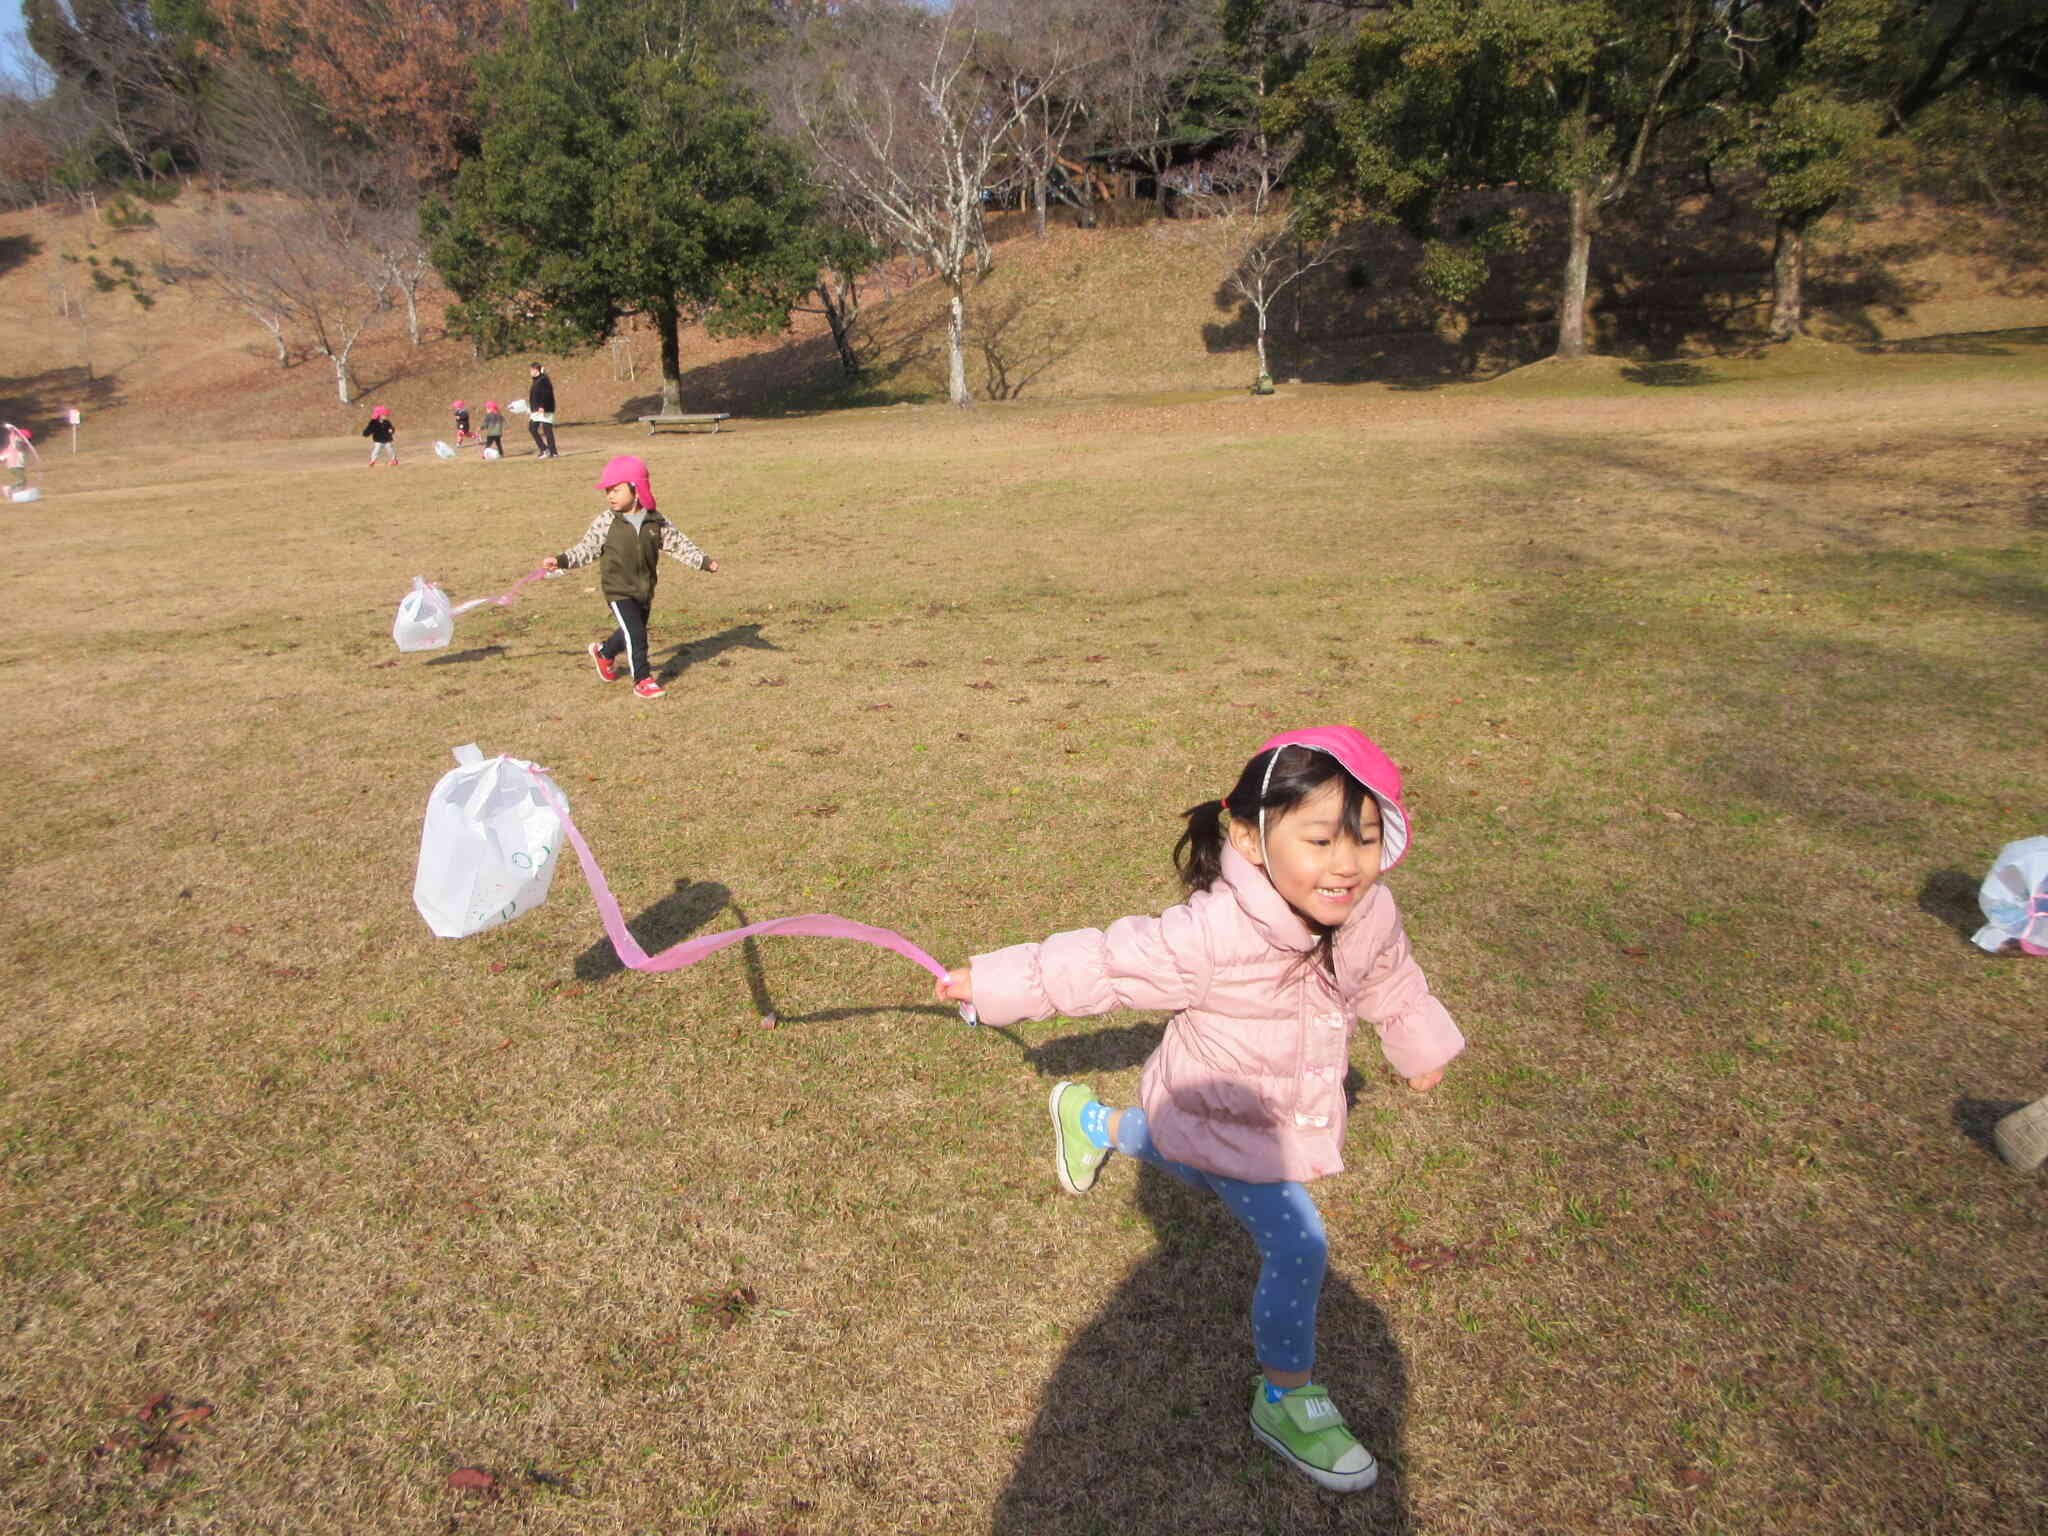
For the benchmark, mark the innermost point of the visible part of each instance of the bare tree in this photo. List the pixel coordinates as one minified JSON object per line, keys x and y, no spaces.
{"x":1027,"y":40}
{"x":310,"y":259}
{"x":1151,"y":48}
{"x":913,"y":115}
{"x":852,"y":245}
{"x":394,"y":235}
{"x":1245,"y":220}
{"x":241,"y":265}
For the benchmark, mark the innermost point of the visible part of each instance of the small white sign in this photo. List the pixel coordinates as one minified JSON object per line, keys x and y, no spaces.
{"x":72,"y":417}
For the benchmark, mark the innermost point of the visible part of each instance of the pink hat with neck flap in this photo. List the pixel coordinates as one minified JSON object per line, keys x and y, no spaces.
{"x":628,"y":470}
{"x":1366,"y":763}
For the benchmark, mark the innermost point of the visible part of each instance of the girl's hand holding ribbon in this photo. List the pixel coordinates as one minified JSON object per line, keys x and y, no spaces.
{"x":956,"y":986}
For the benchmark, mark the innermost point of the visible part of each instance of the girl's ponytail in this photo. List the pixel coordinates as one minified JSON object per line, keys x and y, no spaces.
{"x":1199,"y":853}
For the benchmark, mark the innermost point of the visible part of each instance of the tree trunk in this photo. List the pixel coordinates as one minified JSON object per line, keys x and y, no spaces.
{"x":1039,"y":197}
{"x":412,"y":313}
{"x":669,"y":322}
{"x":1264,"y":371}
{"x":1788,"y":279}
{"x":343,"y":384}
{"x":839,"y":315}
{"x":1578,"y":263}
{"x":956,"y":356}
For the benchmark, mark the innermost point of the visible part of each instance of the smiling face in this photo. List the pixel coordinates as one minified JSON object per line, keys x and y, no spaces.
{"x":1311,"y":856}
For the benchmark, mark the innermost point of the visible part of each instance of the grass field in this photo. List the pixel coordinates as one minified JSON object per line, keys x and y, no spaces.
{"x":1716,"y":702}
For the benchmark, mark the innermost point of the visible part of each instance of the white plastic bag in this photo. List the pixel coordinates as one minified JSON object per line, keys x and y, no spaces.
{"x":27,"y":493}
{"x":2014,"y":897}
{"x":424,"y":622}
{"x":491,"y":453}
{"x":516,"y":408}
{"x":488,"y":849}
{"x":442,"y":450}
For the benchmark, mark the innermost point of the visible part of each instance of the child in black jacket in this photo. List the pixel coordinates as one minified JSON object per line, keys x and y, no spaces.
{"x":380,"y":432}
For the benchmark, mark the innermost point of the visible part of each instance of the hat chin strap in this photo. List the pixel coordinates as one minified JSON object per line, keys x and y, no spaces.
{"x":1266,"y":783}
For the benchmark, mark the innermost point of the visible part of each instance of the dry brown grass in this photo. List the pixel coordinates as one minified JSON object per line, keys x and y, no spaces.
{"x":1716,"y":703}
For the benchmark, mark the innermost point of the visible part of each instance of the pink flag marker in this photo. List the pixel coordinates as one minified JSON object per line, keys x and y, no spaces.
{"x":817,"y":925}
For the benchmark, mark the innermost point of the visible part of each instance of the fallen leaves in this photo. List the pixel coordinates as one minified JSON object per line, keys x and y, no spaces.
{"x":1422,"y":1258}
{"x":725,"y":1308}
{"x":166,"y":1425}
{"x":473,"y":1480}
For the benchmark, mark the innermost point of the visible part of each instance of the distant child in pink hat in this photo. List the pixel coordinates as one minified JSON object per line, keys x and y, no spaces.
{"x":627,"y":540}
{"x":1287,"y":937}
{"x":460,"y":410}
{"x":20,"y":444}
{"x":380,"y":431}
{"x":494,"y":431}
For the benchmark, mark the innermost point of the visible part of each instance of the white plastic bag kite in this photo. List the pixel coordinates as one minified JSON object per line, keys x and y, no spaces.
{"x":517,"y":408}
{"x":442,"y":450}
{"x":492,"y":453}
{"x":2014,"y":897}
{"x":424,"y":622}
{"x":489,"y":847}
{"x":26,"y":493}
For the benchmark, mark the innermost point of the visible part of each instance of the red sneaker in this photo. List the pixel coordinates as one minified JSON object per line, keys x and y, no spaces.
{"x":605,"y":669}
{"x":648,"y":688}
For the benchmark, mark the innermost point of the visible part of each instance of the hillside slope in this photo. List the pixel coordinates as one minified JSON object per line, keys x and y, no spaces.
{"x":1134,"y":310}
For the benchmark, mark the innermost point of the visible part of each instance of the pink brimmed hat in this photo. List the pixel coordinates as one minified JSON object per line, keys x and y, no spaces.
{"x":1366,"y":763}
{"x":380,"y":410}
{"x":625,"y":469}
{"x":458,"y":405}
{"x":490,"y":405}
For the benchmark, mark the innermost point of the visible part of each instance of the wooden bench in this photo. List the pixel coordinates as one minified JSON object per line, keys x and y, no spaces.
{"x":686,"y":423}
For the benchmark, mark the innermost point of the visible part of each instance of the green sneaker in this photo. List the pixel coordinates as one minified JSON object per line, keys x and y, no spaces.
{"x":1309,"y":1433}
{"x":1075,"y":1158}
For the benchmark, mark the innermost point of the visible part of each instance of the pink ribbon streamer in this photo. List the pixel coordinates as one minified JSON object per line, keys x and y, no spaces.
{"x":504,"y":598}
{"x":817,"y":925}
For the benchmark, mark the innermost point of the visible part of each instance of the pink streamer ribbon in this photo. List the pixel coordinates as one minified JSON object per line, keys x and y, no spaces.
{"x":503,"y":599}
{"x":817,"y":925}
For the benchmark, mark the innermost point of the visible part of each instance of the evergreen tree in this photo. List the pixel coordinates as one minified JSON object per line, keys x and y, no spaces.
{"x":623,"y":172}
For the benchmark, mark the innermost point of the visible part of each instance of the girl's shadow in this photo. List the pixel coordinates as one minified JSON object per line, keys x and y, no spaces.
{"x":1144,"y":1424}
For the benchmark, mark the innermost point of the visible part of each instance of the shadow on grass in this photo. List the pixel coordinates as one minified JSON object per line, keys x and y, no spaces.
{"x":16,"y":249}
{"x":1977,"y":1118}
{"x":1143,"y":1425}
{"x":741,"y":637}
{"x":1670,"y":375}
{"x":1951,"y":895}
{"x":37,"y":400}
{"x":688,"y":907}
{"x":691,"y":906}
{"x":1093,"y":1051}
{"x":1966,"y":343}
{"x":475,"y":653}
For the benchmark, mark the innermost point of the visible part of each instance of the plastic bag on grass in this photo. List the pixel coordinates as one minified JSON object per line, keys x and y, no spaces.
{"x":488,"y":848}
{"x":2014,"y":897}
{"x":424,"y":622}
{"x":442,"y":450}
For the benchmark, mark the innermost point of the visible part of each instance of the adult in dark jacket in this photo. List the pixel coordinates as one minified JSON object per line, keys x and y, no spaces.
{"x":540,"y":420}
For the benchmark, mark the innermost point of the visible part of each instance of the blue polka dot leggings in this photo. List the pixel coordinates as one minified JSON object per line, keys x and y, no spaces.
{"x":1293,"y":1250}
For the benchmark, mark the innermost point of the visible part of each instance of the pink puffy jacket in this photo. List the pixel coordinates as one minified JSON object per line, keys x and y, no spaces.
{"x":1249,"y":1081}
